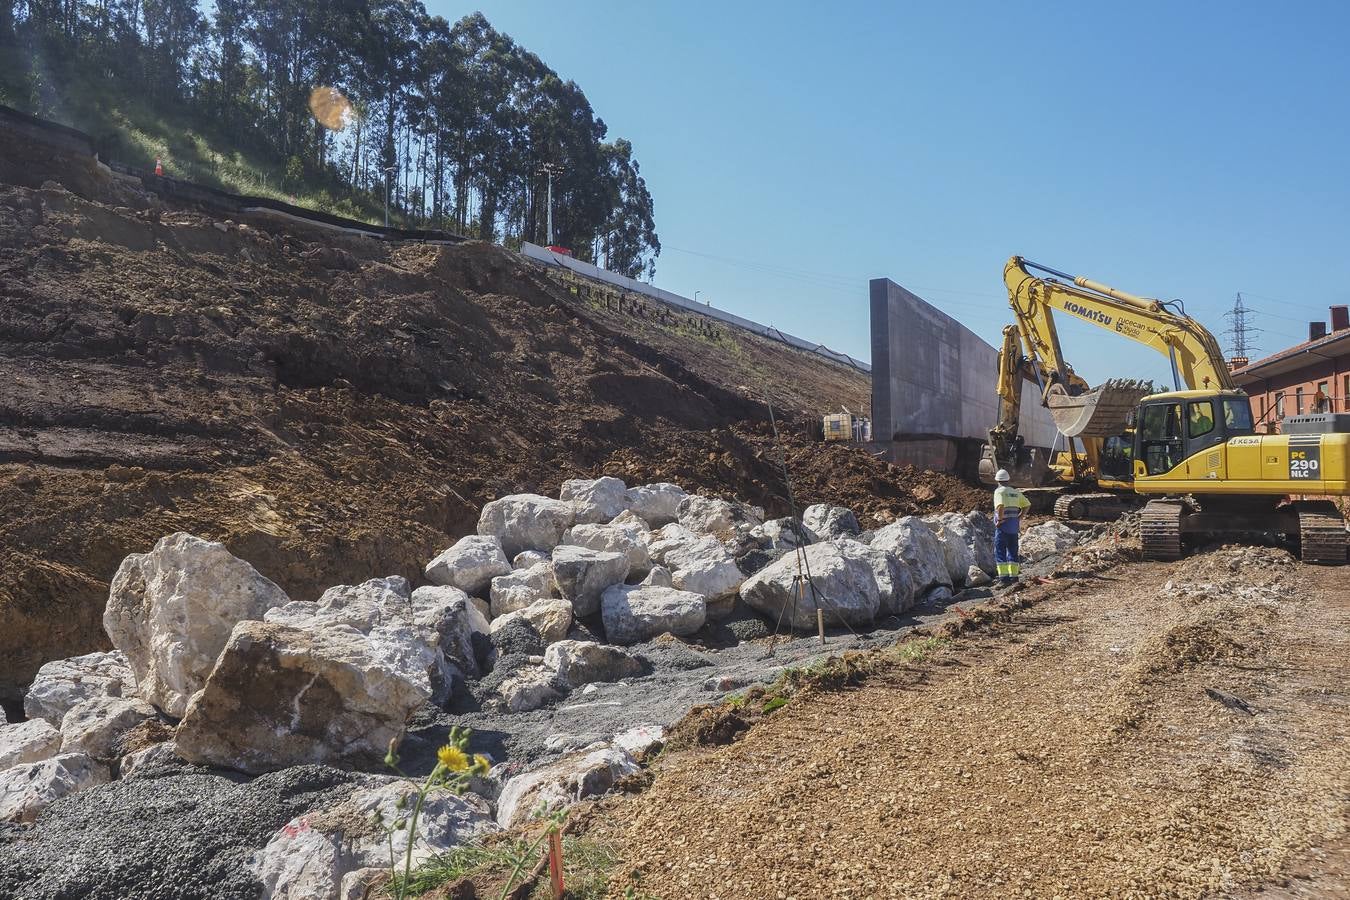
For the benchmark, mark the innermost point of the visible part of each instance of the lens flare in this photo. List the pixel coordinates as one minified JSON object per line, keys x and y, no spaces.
{"x":333,"y":110}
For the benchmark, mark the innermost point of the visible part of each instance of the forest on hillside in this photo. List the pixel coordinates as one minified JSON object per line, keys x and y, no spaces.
{"x":341,"y":101}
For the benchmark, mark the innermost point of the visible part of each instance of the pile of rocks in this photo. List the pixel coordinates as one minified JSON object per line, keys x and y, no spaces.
{"x":216,"y":666}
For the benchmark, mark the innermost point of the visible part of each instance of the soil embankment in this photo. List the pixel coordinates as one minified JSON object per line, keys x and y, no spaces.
{"x":336,"y":408}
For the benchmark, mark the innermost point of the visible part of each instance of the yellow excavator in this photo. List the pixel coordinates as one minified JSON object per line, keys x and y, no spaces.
{"x":1092,"y":484}
{"x":1194,"y":451}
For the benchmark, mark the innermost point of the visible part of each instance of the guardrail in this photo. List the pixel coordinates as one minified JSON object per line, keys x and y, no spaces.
{"x":548,"y":257}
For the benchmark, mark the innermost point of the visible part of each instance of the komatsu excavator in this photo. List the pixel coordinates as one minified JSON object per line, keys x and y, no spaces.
{"x":1093,"y":484}
{"x":1194,"y":451}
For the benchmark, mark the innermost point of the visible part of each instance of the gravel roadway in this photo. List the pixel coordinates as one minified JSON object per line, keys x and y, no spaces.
{"x":1173,"y":730}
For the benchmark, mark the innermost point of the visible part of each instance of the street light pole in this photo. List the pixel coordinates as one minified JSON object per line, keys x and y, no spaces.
{"x":388,"y":176}
{"x":550,"y":169}
{"x":696,"y":293}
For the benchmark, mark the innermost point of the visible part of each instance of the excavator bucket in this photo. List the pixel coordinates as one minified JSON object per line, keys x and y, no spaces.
{"x":1029,"y":468}
{"x":1098,"y":413}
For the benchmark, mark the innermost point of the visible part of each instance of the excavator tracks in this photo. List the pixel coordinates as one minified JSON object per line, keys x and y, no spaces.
{"x":1160,"y":530}
{"x":1101,"y":507}
{"x":1321,"y":532}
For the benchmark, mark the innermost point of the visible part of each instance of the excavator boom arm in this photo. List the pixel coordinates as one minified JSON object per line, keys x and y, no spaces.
{"x":1197,"y":360}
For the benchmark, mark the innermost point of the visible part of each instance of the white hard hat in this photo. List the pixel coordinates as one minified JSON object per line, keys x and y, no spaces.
{"x":1001,"y":475}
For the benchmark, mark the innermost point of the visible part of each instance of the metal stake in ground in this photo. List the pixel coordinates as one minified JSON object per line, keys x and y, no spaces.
{"x":803,"y":576}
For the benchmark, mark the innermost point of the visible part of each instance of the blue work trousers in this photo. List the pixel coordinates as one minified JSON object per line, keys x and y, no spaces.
{"x":1005,"y":550}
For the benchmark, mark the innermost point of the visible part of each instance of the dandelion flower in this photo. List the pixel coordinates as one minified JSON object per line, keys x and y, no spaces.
{"x":481,"y":762}
{"x":453,"y":758}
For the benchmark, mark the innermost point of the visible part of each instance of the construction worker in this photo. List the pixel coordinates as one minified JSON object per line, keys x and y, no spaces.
{"x":1009,"y":503}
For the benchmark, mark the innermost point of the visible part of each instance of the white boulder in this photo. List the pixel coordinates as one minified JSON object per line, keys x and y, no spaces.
{"x":522,"y":587}
{"x":171,"y":611}
{"x":322,"y":855}
{"x":666,"y":538}
{"x":782,"y":534}
{"x":613,"y":538}
{"x":955,"y":535}
{"x":469,"y":564}
{"x":551,"y":618}
{"x":914,"y":542}
{"x":28,"y":742}
{"x":587,"y":773}
{"x":843,"y":584}
{"x":147,"y":758}
{"x":826,"y":521}
{"x":526,"y":522}
{"x":895,"y":584}
{"x":656,"y":504}
{"x":632,"y":523}
{"x":707,"y":515}
{"x":26,"y":790}
{"x":579,"y":663}
{"x":95,"y":726}
{"x":583,"y":574}
{"x":62,"y":683}
{"x":527,"y":559}
{"x":981,"y":539}
{"x":704,"y":566}
{"x":977,"y":577}
{"x":282,"y":695}
{"x":659,"y":576}
{"x":639,"y":739}
{"x":634,"y":613}
{"x":532,"y":686}
{"x":594,"y":499}
{"x":449,"y":620}
{"x":1046,"y":539}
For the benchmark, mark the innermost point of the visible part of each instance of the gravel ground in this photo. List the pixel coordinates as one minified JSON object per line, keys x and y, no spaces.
{"x":1074,"y":752}
{"x":181,"y":836}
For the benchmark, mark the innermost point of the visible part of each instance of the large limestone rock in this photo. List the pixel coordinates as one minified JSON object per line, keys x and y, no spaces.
{"x":579,"y":663}
{"x":142,"y":761}
{"x":551,"y":618}
{"x":956,"y":536}
{"x":706,"y":515}
{"x":624,"y":539}
{"x":582,"y":575}
{"x":667,"y":538}
{"x":594,"y":499}
{"x":62,"y":683}
{"x":95,"y":726}
{"x":587,"y":773}
{"x":704,"y":565}
{"x":528,"y":559}
{"x":914,"y":542}
{"x":522,"y":588}
{"x":171,"y":610}
{"x":981,"y":539}
{"x":469,"y":564}
{"x":28,"y":742}
{"x":1046,"y":539}
{"x":26,"y":790}
{"x":634,"y":613}
{"x":845,"y":588}
{"x":826,"y":521}
{"x":456,"y":627}
{"x":321,"y":854}
{"x":282,"y":696}
{"x":782,"y":534}
{"x":656,"y":504}
{"x":529,"y":687}
{"x":526,"y":522}
{"x":895,"y":584}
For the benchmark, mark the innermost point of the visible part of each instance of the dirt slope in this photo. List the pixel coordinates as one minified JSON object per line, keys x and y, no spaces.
{"x":1074,"y":752}
{"x":337,"y":408}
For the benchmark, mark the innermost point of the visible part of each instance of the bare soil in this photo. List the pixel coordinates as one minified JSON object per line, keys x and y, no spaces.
{"x":338,"y":408}
{"x":1154,"y":730}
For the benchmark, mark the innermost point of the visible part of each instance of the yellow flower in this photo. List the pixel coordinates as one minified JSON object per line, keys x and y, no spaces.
{"x":481,"y":762}
{"x":453,"y":758}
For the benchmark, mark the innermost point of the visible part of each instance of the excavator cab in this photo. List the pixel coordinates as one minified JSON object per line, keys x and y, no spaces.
{"x":1180,"y":425}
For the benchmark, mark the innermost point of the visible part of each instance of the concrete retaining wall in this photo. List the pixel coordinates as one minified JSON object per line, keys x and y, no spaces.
{"x":933,"y":377}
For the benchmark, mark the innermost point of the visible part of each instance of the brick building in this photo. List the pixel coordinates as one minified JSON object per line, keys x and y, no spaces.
{"x":1313,"y":376}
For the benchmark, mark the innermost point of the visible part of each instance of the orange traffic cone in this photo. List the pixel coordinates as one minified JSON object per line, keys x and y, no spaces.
{"x":159,"y":168}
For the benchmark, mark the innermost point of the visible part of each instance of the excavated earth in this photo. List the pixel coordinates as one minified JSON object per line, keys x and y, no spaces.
{"x":335,"y":408}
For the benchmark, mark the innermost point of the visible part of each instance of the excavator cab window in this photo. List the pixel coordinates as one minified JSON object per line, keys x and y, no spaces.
{"x":1117,"y":457}
{"x":1160,"y":437}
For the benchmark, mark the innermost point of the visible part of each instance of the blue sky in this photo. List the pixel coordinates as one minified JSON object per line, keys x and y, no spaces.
{"x":795,"y":150}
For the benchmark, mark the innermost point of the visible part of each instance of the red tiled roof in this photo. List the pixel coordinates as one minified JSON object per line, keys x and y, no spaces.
{"x":1320,"y":343}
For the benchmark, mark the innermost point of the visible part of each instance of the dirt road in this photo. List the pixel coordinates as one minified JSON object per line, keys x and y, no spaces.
{"x":1155,"y":730}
